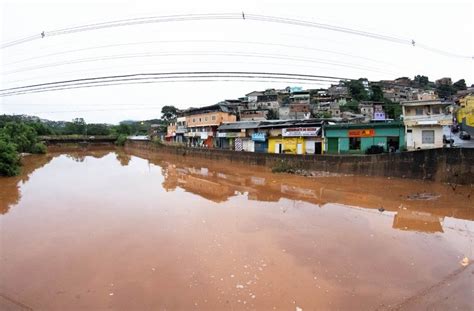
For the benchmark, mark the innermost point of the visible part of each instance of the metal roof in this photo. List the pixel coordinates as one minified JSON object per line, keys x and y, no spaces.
{"x":290,"y":123}
{"x":425,"y":102}
{"x":239,"y":125}
{"x":212,"y":108}
{"x":364,"y":125}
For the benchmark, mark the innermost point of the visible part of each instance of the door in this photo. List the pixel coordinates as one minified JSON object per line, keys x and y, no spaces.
{"x":299,"y":148}
{"x":333,"y":145}
{"x":310,"y":146}
{"x":318,"y":148}
{"x":277,"y":148}
{"x":251,"y":147}
{"x":410,"y":138}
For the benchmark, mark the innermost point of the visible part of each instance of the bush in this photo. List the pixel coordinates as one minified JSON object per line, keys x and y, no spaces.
{"x":374,"y":149}
{"x":121,"y":139}
{"x":39,"y":148}
{"x":9,"y":159}
{"x":283,"y":166}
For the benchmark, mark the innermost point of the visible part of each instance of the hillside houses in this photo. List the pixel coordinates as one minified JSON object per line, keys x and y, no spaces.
{"x":314,"y":121}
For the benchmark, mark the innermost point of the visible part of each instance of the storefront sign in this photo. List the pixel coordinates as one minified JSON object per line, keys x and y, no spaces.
{"x":259,"y":136}
{"x":300,"y":131}
{"x":362,"y":133}
{"x":230,"y":135}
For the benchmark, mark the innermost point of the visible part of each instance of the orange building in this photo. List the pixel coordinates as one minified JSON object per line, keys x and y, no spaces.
{"x":202,"y":124}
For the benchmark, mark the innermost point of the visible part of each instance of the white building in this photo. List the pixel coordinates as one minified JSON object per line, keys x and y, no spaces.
{"x":424,"y":121}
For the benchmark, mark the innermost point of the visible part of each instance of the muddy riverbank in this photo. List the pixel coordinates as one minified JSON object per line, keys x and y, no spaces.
{"x":447,"y":165}
{"x":104,"y":229}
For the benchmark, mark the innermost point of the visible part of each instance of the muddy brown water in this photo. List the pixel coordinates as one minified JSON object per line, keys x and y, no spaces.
{"x":109,"y":229}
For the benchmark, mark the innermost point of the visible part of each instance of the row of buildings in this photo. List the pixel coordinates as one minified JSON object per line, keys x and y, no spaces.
{"x":222,"y":126}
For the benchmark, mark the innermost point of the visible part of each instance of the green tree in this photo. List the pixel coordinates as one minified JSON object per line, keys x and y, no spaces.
{"x":123,"y":128}
{"x":98,"y":129}
{"x":121,"y":139}
{"x":9,"y":158}
{"x":168,"y":113}
{"x":357,"y":89}
{"x":352,"y":105}
{"x":22,"y":135}
{"x":393,"y":110}
{"x":377,"y":93}
{"x":459,"y":85}
{"x":77,"y":126}
{"x":421,"y":81}
{"x":445,"y":91}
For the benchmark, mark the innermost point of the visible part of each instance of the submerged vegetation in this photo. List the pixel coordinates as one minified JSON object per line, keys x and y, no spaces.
{"x":16,"y":138}
{"x":22,"y":134}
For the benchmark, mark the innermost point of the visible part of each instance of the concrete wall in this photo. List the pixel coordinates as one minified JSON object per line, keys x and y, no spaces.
{"x":443,"y":165}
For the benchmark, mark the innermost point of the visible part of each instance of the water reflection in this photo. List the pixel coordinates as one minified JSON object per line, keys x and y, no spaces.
{"x":234,"y":237}
{"x":219,"y":182}
{"x":123,"y":158}
{"x":10,"y":186}
{"x":417,"y":221}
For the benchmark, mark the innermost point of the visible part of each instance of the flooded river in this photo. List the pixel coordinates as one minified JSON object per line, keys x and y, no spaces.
{"x":106,"y":229}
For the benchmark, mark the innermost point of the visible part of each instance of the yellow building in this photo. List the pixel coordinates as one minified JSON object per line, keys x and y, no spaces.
{"x":291,"y":145}
{"x":465,"y":114}
{"x":296,"y":140}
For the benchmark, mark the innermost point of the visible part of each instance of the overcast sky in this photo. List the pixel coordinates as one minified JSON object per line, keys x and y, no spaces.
{"x":446,"y":25}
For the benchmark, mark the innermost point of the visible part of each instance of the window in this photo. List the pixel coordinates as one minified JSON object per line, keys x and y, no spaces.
{"x":354,"y":143}
{"x":435,"y":110}
{"x":194,"y":120}
{"x":213,"y":118}
{"x":419,"y":111}
{"x":200,"y":119}
{"x":205,"y":119}
{"x":427,"y":137}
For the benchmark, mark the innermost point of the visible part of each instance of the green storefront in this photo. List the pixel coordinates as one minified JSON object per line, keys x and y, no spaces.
{"x":357,"y":138}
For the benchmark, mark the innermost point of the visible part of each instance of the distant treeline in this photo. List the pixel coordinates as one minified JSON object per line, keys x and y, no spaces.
{"x":19,"y":134}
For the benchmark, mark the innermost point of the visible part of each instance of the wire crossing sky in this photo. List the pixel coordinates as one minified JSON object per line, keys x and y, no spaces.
{"x":227,"y":16}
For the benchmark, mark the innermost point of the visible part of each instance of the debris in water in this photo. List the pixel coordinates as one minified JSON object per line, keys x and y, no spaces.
{"x":239,"y":286}
{"x":111,"y":294}
{"x":465,"y":262}
{"x":299,"y":309}
{"x":381,"y":209}
{"x":423,"y":196}
{"x":232,"y":275}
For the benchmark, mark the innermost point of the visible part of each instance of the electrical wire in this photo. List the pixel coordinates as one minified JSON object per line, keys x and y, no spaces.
{"x":128,"y":79}
{"x":266,"y":44}
{"x":149,"y":65}
{"x":229,"y":16}
{"x":197,"y":53}
{"x":163,"y":81}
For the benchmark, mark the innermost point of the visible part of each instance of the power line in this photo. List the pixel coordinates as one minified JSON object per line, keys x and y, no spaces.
{"x":164,"y":81}
{"x":229,"y":16}
{"x":186,"y":73}
{"x":198,"y":53}
{"x":266,"y":44}
{"x":149,"y":65}
{"x":175,"y":76}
